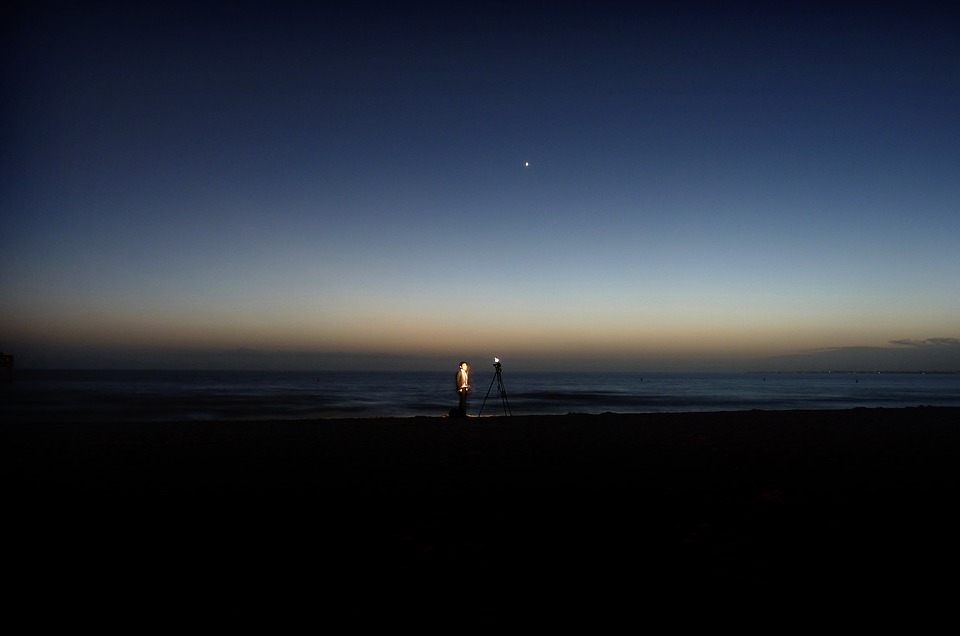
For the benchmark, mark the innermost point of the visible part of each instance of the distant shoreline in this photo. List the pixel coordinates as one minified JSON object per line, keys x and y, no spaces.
{"x":446,"y":371}
{"x":453,"y":421}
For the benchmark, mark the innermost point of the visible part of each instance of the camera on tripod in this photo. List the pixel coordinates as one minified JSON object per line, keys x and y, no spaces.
{"x":498,"y":378}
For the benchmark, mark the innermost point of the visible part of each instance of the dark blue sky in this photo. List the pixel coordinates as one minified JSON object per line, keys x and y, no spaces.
{"x":709,"y":185}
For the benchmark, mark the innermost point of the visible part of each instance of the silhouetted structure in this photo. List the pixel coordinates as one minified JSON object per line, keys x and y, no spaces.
{"x":498,"y":378}
{"x":6,"y":362}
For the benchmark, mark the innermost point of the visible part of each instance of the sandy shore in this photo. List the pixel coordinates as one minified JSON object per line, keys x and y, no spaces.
{"x":837,"y":500}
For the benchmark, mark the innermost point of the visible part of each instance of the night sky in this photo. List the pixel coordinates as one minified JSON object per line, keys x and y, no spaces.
{"x":568,"y":186}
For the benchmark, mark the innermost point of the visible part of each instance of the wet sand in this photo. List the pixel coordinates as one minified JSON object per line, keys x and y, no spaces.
{"x":803,"y":502}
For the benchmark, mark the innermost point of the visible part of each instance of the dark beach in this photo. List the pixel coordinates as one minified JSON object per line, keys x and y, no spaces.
{"x":830,"y":501}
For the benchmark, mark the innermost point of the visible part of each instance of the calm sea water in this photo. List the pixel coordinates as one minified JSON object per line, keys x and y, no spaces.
{"x":241,"y":395}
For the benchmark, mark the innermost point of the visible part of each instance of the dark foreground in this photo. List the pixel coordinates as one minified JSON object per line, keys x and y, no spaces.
{"x":816,"y":507}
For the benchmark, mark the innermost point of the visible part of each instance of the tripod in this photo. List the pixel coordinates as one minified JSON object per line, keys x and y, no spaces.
{"x":498,"y":378}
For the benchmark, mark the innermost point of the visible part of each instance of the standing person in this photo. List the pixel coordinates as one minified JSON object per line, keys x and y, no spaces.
{"x":463,"y":385}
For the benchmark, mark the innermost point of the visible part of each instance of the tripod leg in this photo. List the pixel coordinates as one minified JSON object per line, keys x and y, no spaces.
{"x":487,"y":395}
{"x":503,"y":396}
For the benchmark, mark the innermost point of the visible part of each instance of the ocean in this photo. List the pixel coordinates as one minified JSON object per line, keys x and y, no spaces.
{"x":100,"y":395}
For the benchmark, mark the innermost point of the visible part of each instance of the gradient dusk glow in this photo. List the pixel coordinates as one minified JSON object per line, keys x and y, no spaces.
{"x":347,"y":185}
